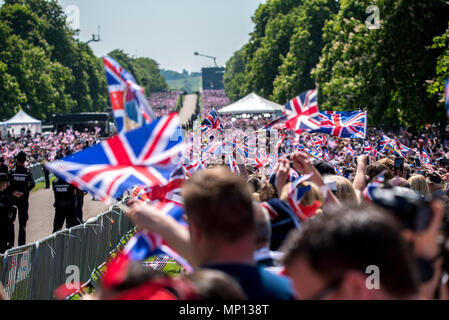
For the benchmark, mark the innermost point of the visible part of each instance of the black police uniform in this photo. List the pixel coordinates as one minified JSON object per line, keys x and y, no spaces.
{"x":20,"y":180}
{"x":6,"y":213}
{"x":65,"y":205}
{"x":3,"y":168}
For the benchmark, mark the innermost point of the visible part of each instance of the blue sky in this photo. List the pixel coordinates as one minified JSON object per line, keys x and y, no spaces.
{"x":169,"y":31}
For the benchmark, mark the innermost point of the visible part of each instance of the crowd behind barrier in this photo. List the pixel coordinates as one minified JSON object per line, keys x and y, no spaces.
{"x":34,"y":271}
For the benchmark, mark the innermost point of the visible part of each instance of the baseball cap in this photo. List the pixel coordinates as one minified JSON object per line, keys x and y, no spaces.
{"x":324,"y":168}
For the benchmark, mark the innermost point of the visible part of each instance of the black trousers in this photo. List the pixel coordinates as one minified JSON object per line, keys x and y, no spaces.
{"x":67,"y":213}
{"x":47,"y":178}
{"x":22,"y":210}
{"x":4,"y":233}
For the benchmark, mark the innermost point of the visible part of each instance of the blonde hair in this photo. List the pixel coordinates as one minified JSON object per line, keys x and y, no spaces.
{"x":419,"y":184}
{"x":345,"y":190}
{"x":314,"y":194}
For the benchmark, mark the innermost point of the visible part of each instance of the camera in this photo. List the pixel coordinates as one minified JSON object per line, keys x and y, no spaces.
{"x":412,"y":210}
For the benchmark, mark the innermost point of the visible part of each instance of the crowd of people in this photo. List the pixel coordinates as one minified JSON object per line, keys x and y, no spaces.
{"x":348,"y":223}
{"x":213,"y":99}
{"x":163,"y":103}
{"x":322,"y":218}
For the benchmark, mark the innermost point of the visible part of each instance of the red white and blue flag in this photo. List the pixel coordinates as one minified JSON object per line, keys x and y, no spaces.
{"x":296,"y":193}
{"x":301,"y":111}
{"x":145,"y":156}
{"x":343,"y":124}
{"x":373,"y":185}
{"x":145,"y":245}
{"x":277,"y":123}
{"x":128,"y":98}
{"x":386,"y":142}
{"x":212,"y":125}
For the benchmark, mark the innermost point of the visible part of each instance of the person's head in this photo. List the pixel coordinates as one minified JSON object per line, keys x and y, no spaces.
{"x":324,"y":168}
{"x":3,"y":181}
{"x":219,"y":207}
{"x":419,"y":184}
{"x":350,"y":253}
{"x":213,"y":285}
{"x":373,"y":170}
{"x":389,"y":163}
{"x":345,"y":191}
{"x":21,"y":158}
{"x":262,"y":226}
{"x":435,"y":182}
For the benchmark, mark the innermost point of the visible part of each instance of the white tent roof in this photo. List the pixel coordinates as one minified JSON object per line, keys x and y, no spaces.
{"x":22,"y":118}
{"x":252,"y":103}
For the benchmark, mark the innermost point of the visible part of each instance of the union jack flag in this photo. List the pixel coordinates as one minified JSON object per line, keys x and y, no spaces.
{"x":279,"y":123}
{"x":425,"y":159}
{"x":373,"y":185}
{"x":192,"y":167}
{"x":232,"y":165}
{"x":386,"y":142}
{"x":260,"y":159}
{"x":145,"y":156}
{"x":350,"y":150}
{"x":212,"y":124}
{"x":320,"y":141}
{"x":370,"y":149}
{"x":127,"y":97}
{"x":401,"y":150}
{"x":146,"y":244}
{"x":300,"y":112}
{"x":295,"y":195}
{"x":343,"y":124}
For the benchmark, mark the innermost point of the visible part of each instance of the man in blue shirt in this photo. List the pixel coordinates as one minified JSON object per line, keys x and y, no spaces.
{"x":221,"y":233}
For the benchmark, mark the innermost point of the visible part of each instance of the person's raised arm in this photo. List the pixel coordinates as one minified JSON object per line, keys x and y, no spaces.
{"x":360,"y":176}
{"x":302,"y":163}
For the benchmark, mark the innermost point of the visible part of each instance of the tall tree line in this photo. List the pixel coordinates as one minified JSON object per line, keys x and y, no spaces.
{"x":45,"y":70}
{"x":396,"y":72}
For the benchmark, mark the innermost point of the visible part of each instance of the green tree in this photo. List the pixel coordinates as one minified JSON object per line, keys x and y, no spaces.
{"x":305,"y":49}
{"x":144,"y":70}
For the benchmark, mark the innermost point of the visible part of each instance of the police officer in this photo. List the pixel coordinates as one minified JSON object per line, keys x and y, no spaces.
{"x":3,"y":166}
{"x":21,"y":182}
{"x":65,"y":205}
{"x":6,"y":212}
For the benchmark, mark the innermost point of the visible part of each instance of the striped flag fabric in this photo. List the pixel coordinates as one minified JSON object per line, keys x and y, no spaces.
{"x":301,"y":111}
{"x":129,"y":103}
{"x":145,"y":156}
{"x":211,"y":126}
{"x":343,"y":124}
{"x":295,"y":195}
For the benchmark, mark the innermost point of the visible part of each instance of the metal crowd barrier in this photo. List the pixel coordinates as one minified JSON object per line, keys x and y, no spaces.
{"x":34,"y":271}
{"x":38,"y":173}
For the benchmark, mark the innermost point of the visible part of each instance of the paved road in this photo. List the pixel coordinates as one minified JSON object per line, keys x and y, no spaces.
{"x":188,"y":107}
{"x":41,"y":213}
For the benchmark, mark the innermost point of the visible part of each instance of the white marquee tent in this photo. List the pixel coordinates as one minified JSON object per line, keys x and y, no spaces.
{"x":252,"y":104}
{"x":21,"y":122}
